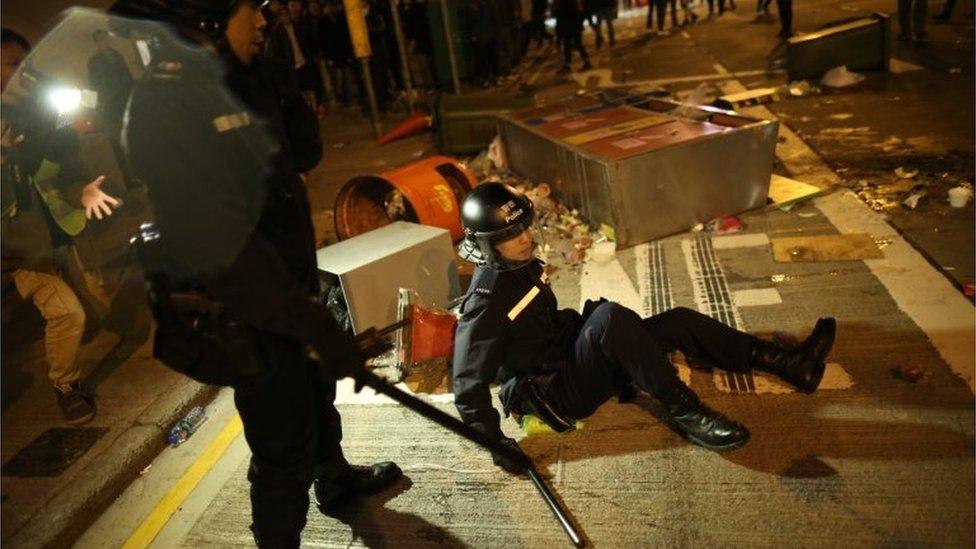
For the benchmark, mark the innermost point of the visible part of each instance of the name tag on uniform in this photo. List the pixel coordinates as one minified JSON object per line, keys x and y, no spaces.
{"x":230,"y":122}
{"x":523,"y":303}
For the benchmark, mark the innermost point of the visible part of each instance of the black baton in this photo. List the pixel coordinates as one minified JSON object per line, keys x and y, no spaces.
{"x":366,"y":378}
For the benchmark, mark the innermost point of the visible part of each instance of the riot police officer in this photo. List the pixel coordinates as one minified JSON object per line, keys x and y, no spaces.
{"x":562,"y":365}
{"x":234,"y":227}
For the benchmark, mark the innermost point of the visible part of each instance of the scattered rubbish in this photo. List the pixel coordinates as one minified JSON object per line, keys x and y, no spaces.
{"x":891,"y":144}
{"x":603,"y":251}
{"x":840,"y":247}
{"x":969,"y":289}
{"x":726,"y":224}
{"x":959,"y":196}
{"x":807,"y":214}
{"x":758,"y":96}
{"x":394,"y":205}
{"x":883,"y":242}
{"x":913,"y":374}
{"x":955,"y":70}
{"x":840,"y":77}
{"x":185,"y":427}
{"x":784,"y":191}
{"x":496,"y":154}
{"x":905,"y":174}
{"x":897,"y":66}
{"x":412,"y":124}
{"x":698,"y":227}
{"x":418,"y":154}
{"x":339,"y":145}
{"x":532,"y":425}
{"x":608,"y":231}
{"x":689,"y":106}
{"x":801,"y":88}
{"x":781,"y":278}
{"x":841,"y":116}
{"x":916,"y":194}
{"x":145,"y":470}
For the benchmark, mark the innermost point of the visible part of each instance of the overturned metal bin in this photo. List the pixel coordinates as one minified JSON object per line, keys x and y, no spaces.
{"x":859,"y":43}
{"x":640,"y":168}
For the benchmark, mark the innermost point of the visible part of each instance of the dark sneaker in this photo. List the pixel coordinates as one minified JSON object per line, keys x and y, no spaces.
{"x":77,"y":406}
{"x":356,"y":481}
{"x":564,"y":70}
{"x":586,"y":66}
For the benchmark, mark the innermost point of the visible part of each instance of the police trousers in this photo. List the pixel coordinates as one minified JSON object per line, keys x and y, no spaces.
{"x":616,"y":346}
{"x":293,"y":429}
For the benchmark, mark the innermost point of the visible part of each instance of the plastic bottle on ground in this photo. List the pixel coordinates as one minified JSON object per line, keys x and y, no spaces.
{"x":186,"y":426}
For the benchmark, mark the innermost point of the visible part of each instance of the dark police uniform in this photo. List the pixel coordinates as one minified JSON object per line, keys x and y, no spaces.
{"x":510,"y":330}
{"x":233,"y":215}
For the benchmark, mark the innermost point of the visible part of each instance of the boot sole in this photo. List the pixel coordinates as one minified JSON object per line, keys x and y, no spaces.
{"x":676,"y":427}
{"x":718,"y":448}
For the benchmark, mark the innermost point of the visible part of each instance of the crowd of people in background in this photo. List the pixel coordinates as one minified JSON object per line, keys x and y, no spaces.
{"x":491,"y":38}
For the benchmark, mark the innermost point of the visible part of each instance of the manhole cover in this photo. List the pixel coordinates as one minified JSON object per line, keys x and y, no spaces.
{"x":52,"y":452}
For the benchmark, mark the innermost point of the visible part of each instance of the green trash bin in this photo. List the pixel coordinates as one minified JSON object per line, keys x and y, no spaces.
{"x":466,"y":124}
{"x":463,"y":53}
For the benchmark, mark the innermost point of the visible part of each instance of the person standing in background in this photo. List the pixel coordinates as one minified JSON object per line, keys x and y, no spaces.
{"x":569,"y":29}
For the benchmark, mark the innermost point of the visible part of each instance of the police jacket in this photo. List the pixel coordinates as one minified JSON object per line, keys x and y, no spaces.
{"x":221,"y":170}
{"x":509,"y":327}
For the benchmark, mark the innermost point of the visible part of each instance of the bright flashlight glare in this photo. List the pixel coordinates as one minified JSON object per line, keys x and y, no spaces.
{"x":65,"y":100}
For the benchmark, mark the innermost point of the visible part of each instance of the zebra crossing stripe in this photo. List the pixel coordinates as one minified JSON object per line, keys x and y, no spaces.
{"x":653,"y":280}
{"x":711,"y":290}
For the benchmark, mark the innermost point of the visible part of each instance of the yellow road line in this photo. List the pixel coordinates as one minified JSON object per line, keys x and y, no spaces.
{"x":168,"y":505}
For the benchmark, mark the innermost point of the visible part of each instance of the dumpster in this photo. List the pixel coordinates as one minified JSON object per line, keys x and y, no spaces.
{"x":643,"y":168}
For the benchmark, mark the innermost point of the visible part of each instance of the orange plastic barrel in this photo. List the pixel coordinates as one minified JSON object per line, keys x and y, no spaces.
{"x":432,"y":190}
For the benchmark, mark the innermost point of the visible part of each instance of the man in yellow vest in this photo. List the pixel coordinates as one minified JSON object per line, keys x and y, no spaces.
{"x":42,"y":187}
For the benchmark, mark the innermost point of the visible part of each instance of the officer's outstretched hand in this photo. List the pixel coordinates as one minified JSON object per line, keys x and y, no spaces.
{"x":505,"y":463}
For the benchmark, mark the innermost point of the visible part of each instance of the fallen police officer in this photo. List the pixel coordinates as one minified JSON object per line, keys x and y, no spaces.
{"x":561,"y":365}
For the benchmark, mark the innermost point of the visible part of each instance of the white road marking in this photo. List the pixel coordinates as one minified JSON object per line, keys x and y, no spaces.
{"x":756,"y":296}
{"x":919,"y":290}
{"x":608,"y":279}
{"x":740,"y":241}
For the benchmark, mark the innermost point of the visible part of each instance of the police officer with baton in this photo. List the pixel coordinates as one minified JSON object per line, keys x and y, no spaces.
{"x":219,"y":135}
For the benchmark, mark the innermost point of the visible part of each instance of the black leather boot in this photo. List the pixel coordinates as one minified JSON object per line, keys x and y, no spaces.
{"x":803,"y":367}
{"x":690,"y":418}
{"x":355,"y":481}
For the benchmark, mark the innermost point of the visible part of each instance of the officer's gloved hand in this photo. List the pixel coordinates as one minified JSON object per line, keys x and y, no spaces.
{"x":506,"y":464}
{"x":339,"y":354}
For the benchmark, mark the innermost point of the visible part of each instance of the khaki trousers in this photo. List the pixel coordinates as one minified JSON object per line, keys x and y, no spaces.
{"x":64,"y":321}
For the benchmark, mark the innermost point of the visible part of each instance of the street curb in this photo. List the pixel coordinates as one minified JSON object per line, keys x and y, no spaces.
{"x":60,"y":521}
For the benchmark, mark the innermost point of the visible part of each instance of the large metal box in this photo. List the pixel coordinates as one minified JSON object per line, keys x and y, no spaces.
{"x":371,"y":267}
{"x":646,"y":171}
{"x":861,"y":44}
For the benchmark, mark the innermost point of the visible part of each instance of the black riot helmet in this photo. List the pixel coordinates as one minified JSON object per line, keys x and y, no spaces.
{"x":493,"y":213}
{"x":208,"y":17}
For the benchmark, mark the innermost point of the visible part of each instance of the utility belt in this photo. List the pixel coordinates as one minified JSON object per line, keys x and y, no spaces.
{"x":202,"y":342}
{"x":526,"y":395}
{"x":194,"y":336}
